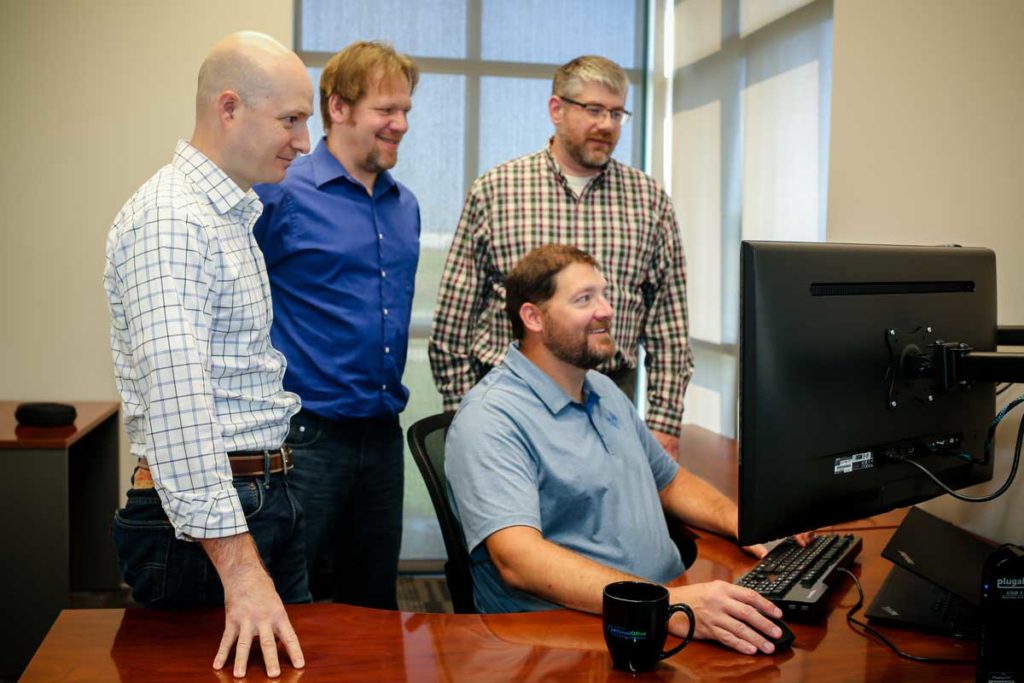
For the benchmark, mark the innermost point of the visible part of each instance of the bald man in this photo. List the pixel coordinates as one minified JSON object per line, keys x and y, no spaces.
{"x":209,"y":518}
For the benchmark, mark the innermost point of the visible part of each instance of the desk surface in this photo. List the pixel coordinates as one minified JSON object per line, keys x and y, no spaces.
{"x":344,"y":643}
{"x":351,"y":643}
{"x":89,"y":414}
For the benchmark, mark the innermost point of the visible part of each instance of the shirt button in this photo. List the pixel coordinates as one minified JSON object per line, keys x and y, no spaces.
{"x":383,"y":387}
{"x":383,"y":273}
{"x":380,"y":236}
{"x":385,"y":311}
{"x":387,"y":349}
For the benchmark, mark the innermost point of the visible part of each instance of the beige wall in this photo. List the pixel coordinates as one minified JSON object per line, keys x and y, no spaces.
{"x":95,"y":95}
{"x":928,"y":148}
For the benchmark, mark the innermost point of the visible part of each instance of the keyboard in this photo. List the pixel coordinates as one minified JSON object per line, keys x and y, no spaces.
{"x":798,"y":579}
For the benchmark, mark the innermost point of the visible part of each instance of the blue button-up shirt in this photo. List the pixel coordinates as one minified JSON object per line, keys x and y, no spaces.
{"x":521,"y":452}
{"x":342,"y":268}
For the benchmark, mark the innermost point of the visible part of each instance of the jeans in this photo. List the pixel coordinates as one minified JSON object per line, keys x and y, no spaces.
{"x":164,"y":571}
{"x":349,"y":480}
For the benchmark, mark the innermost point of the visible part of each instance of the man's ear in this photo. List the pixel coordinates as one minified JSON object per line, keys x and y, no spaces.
{"x":228,"y":103}
{"x":338,"y":108}
{"x":532,"y":317}
{"x":555,"y":109}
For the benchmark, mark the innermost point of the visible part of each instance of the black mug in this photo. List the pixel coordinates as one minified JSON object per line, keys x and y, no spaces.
{"x":636,"y":618}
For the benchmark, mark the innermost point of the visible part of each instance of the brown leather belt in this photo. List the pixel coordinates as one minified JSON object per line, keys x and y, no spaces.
{"x":250,"y":463}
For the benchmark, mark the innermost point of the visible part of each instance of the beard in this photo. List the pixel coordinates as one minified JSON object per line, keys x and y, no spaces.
{"x":575,"y":349}
{"x":587,"y":159}
{"x":376,"y":163}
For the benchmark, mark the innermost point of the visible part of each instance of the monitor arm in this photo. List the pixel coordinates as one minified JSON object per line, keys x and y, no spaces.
{"x":943,"y":365}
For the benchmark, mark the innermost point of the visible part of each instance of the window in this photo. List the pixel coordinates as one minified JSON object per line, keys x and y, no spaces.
{"x":748,"y":90}
{"x":486,"y":70}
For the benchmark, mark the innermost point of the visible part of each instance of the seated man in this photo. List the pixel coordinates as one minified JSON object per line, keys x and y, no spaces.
{"x":559,"y":485}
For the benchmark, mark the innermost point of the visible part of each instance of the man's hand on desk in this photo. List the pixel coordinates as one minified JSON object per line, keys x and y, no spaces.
{"x":727,"y":613}
{"x":668,"y":442}
{"x":252,"y":607}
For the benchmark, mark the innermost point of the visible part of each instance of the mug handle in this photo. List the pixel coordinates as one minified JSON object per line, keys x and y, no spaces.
{"x":689,"y":634}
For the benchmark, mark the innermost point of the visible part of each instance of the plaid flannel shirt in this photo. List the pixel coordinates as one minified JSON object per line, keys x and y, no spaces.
{"x":622,"y":218}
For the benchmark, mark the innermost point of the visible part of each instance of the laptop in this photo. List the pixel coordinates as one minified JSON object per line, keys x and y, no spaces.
{"x":935,"y":585}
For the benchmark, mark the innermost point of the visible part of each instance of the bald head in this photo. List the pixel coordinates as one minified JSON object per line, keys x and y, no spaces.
{"x":252,"y":102}
{"x":244,"y":63}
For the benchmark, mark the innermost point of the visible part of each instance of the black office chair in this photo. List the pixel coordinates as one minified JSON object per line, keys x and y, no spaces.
{"x":426,"y":441}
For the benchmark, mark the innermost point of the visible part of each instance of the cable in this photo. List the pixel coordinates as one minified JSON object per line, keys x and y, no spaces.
{"x":988,"y":453}
{"x":866,"y":630}
{"x":1001,"y":388}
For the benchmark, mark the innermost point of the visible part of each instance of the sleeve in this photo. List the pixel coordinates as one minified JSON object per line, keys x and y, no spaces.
{"x":166,"y":277}
{"x":666,"y":338}
{"x":492,"y":479}
{"x":461,"y":300}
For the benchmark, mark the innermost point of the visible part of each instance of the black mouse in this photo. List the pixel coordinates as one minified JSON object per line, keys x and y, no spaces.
{"x":783,"y":642}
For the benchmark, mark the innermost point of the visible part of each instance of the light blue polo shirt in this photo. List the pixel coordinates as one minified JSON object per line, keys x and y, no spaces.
{"x":520,"y":452}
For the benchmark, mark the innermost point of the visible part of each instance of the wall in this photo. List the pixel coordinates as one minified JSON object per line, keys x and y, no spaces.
{"x":95,"y":95}
{"x":927,"y":148}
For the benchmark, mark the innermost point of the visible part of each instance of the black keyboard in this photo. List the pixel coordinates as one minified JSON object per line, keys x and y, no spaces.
{"x":798,"y":579}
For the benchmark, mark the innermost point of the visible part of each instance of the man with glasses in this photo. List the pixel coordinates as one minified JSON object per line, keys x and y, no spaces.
{"x":571,"y":192}
{"x":341,"y":240}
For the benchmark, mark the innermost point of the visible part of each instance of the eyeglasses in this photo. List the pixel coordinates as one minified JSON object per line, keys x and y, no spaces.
{"x":597,"y":111}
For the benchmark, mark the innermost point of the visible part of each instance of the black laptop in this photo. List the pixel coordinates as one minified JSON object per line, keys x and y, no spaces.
{"x":935,"y":585}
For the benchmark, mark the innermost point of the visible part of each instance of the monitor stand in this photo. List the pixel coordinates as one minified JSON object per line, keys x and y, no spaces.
{"x":935,"y":585}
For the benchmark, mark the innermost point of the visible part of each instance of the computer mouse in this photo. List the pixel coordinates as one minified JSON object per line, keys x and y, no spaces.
{"x":783,"y":642}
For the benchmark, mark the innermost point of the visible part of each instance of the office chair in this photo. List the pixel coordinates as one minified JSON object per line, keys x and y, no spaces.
{"x":426,"y":441}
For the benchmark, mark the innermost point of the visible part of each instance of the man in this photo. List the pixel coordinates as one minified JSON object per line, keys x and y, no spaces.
{"x":341,"y":242}
{"x":210,"y":513}
{"x":572,"y":192}
{"x":560,"y":487}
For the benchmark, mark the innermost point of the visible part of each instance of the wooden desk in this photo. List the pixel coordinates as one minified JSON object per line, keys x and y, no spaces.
{"x":58,"y":493}
{"x":343,"y":643}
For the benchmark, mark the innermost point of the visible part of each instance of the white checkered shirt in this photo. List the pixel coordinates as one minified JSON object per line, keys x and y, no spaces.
{"x":622,"y":218}
{"x":190,"y":306}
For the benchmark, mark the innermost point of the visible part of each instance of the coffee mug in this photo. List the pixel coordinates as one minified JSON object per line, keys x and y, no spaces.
{"x":636,"y":618}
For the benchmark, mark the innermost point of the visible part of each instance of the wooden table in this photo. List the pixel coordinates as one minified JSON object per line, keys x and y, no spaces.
{"x":344,"y":643}
{"x":58,"y":493}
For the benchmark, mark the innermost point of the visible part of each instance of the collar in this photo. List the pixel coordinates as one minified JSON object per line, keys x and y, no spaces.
{"x":327,"y":169}
{"x":224,"y":193}
{"x":546,"y":389}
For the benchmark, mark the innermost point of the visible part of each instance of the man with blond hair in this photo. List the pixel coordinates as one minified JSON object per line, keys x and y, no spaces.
{"x":571,"y":192}
{"x":210,"y":519}
{"x":341,"y":240}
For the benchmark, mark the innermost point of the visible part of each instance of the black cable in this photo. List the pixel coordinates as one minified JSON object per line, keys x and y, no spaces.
{"x":1001,"y":388}
{"x":988,"y":450}
{"x":867,"y":629}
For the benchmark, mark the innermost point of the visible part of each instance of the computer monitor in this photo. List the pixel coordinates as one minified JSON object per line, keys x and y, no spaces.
{"x":846,"y":370}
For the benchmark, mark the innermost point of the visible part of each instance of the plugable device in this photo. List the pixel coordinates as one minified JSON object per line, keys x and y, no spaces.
{"x":1000,"y":658}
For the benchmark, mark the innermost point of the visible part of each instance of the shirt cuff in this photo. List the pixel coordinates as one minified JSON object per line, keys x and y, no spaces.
{"x":667,"y":422}
{"x":214,"y":514}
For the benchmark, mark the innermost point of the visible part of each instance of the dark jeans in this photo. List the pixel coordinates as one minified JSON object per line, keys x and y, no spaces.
{"x":349,"y":479}
{"x":166,"y":572}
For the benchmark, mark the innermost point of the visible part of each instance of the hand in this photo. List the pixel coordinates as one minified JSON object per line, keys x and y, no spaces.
{"x":804,"y":539}
{"x":727,"y":613}
{"x":758,"y":551}
{"x":252,"y":608}
{"x":668,"y":442}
